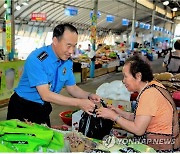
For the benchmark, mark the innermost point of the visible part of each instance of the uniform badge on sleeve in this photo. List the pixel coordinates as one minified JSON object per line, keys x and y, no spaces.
{"x":64,"y":71}
{"x":43,"y":55}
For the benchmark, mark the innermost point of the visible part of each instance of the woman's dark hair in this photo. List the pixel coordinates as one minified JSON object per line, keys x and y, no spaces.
{"x":138,"y":65}
{"x":59,"y":30}
{"x":177,"y":45}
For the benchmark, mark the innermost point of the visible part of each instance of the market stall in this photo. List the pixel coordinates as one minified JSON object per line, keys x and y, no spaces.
{"x":9,"y":78}
{"x":17,"y":136}
{"x":172,"y":84}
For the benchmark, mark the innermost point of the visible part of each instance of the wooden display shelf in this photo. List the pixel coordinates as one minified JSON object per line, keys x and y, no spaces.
{"x":111,"y":69}
{"x":99,"y":72}
{"x":4,"y":102}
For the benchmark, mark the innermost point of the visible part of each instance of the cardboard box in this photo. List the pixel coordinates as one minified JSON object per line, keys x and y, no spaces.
{"x":99,"y":72}
{"x":75,"y":120}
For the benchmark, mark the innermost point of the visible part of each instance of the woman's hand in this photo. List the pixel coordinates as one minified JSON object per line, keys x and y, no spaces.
{"x":115,"y":109}
{"x":106,"y":113}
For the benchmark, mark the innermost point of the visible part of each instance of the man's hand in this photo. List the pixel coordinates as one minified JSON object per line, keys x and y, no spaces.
{"x":86,"y":105}
{"x":95,"y":98}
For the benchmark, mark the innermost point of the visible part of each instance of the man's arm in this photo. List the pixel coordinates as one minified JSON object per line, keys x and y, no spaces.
{"x":59,"y":99}
{"x":77,"y":92}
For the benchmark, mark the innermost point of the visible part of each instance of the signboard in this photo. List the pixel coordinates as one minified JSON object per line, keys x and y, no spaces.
{"x":38,"y":16}
{"x":93,"y":32}
{"x":141,"y":25}
{"x":147,"y":26}
{"x":71,"y":11}
{"x":125,"y":22}
{"x":136,"y":24}
{"x":156,"y":28}
{"x":160,"y":29}
{"x":98,"y":14}
{"x":8,"y":35}
{"x":110,"y":18}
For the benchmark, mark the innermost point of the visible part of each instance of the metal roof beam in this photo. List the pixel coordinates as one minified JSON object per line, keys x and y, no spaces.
{"x":145,"y":11}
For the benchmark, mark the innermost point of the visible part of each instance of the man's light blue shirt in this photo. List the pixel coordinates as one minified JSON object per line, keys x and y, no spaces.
{"x":43,"y":67}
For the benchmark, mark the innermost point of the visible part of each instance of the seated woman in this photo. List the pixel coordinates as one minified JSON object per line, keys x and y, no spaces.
{"x":172,"y":59}
{"x":155,"y":119}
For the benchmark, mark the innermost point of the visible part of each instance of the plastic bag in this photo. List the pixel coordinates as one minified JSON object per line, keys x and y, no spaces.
{"x":114,"y":90}
{"x":18,"y":136}
{"x":93,"y":126}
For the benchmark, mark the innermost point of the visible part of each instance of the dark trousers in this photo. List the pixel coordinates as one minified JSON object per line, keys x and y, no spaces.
{"x":164,"y":52}
{"x":22,"y":109}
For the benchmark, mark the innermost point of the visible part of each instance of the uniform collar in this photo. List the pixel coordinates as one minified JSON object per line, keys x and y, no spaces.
{"x":52,"y":54}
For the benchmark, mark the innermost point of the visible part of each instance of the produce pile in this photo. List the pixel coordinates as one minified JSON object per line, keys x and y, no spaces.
{"x":104,"y":55}
{"x":170,"y":81}
{"x":82,"y":58}
{"x":78,"y":143}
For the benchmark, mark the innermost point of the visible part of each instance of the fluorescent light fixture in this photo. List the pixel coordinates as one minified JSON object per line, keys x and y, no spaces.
{"x":174,"y":9}
{"x":166,"y":3}
{"x":18,"y":7}
{"x":24,"y":3}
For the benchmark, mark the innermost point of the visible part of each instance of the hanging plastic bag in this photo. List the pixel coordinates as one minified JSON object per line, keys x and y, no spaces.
{"x":93,"y":126}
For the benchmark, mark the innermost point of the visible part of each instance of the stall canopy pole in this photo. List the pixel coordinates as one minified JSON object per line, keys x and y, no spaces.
{"x":133,"y":25}
{"x":164,"y":26}
{"x":9,"y":17}
{"x":172,"y":33}
{"x":152,"y":23}
{"x":93,"y":37}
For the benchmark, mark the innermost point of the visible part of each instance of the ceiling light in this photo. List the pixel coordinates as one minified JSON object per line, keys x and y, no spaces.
{"x":25,"y":2}
{"x":166,"y":3}
{"x":174,"y":9}
{"x":18,"y":7}
{"x":5,"y":5}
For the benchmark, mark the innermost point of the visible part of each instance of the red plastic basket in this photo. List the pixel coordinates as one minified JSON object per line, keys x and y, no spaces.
{"x":66,"y":120}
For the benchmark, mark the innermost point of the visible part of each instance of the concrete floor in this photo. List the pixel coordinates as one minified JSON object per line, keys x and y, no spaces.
{"x":90,"y":85}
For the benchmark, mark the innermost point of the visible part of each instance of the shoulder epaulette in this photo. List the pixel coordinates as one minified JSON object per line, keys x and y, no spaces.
{"x":42,"y":56}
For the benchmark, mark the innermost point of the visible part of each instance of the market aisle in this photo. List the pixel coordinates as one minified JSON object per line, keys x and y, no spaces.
{"x":90,"y":85}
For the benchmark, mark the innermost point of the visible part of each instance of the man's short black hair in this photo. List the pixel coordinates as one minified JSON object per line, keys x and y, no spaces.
{"x":59,"y":30}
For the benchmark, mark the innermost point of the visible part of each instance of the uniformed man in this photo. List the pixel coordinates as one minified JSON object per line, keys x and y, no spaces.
{"x":47,"y":70}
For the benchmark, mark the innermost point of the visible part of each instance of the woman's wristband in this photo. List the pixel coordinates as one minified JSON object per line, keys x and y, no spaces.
{"x":89,"y":96}
{"x":117,"y":118}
